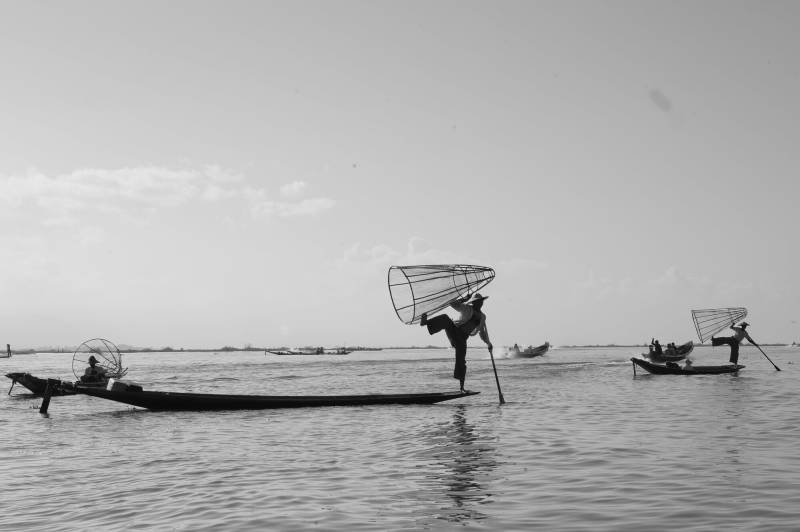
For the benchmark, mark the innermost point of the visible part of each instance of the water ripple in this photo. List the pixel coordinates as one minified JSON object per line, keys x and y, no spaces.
{"x":581,"y":444}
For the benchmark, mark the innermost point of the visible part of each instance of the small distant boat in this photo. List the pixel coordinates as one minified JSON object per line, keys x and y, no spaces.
{"x":672,"y":368}
{"x":310,"y":351}
{"x":530,"y":351}
{"x":681,"y":352}
{"x":175,"y":401}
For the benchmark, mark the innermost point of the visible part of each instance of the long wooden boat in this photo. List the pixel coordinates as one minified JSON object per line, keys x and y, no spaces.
{"x":35,"y":385}
{"x":530,"y":351}
{"x":674,"y":369}
{"x":681,"y":352}
{"x":38,"y":385}
{"x":153,"y":400}
{"x":309,"y":352}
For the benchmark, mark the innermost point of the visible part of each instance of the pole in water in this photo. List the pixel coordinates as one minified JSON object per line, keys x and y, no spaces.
{"x":497,"y":380}
{"x":48,"y":392}
{"x":765,"y":356}
{"x":8,"y":350}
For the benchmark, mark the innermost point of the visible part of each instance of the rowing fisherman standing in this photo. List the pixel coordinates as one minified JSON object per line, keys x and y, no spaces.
{"x":471,"y":321}
{"x":739,"y":334}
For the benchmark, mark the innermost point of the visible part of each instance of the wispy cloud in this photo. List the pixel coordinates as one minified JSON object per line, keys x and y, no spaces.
{"x":85,"y":188}
{"x":292,"y":203}
{"x":417,"y":251}
{"x":306,"y":207}
{"x":65,"y":197}
{"x":293,"y":189}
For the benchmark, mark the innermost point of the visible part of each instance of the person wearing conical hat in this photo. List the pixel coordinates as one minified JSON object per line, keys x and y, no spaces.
{"x":94,"y":373}
{"x":471,"y":321}
{"x":739,"y":334}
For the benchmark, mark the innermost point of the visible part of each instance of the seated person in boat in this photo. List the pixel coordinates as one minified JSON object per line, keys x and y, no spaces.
{"x":671,"y":349}
{"x":688,"y":365}
{"x":94,"y":373}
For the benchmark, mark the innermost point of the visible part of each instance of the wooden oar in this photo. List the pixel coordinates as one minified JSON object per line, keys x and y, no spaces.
{"x":497,"y":380}
{"x":765,"y":355}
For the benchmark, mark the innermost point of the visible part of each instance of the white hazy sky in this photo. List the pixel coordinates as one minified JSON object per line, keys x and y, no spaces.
{"x":207,"y":173}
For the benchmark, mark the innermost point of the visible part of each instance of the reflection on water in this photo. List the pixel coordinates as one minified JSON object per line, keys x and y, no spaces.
{"x":461,"y":463}
{"x":582,"y":446}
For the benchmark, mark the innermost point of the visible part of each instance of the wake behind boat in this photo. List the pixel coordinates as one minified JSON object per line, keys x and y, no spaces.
{"x":176,"y":401}
{"x":674,"y":369}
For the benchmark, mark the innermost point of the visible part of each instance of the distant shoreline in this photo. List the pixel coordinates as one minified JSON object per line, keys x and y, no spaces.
{"x":224,"y":349}
{"x":228,"y":349}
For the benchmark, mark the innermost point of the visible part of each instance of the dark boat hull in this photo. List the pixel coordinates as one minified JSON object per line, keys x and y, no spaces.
{"x":531,"y":352}
{"x":36,"y":385}
{"x":658,"y":369}
{"x":303,"y":353}
{"x":160,"y":401}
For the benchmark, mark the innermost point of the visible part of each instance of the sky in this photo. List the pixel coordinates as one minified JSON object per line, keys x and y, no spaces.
{"x":200,"y":174}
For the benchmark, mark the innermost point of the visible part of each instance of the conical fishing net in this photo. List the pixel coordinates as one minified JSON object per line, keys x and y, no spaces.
{"x":107,"y":355}
{"x":430,"y":288}
{"x":709,"y":322}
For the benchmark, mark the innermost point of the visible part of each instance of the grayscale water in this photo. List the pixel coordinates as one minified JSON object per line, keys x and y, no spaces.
{"x":581,"y":444}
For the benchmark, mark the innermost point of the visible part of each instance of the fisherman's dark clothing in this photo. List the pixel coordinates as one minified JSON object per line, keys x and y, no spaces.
{"x":458,"y":335}
{"x":731,"y":341}
{"x":739,"y":334}
{"x":94,"y":374}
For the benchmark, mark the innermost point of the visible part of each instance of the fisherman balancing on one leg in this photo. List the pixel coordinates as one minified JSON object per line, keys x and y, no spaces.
{"x":470,"y":322}
{"x":739,"y":334}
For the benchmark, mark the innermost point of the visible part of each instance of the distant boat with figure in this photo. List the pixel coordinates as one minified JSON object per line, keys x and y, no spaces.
{"x":672,"y":353}
{"x":528,"y":352}
{"x":310,"y":351}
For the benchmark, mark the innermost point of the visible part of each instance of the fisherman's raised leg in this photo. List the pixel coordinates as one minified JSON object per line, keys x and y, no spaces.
{"x":442,"y":322}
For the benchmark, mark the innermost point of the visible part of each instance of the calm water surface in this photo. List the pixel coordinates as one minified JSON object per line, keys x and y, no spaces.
{"x":581,"y":444}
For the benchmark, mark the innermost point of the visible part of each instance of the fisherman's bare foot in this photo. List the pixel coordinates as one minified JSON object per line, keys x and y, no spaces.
{"x":423,"y":320}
